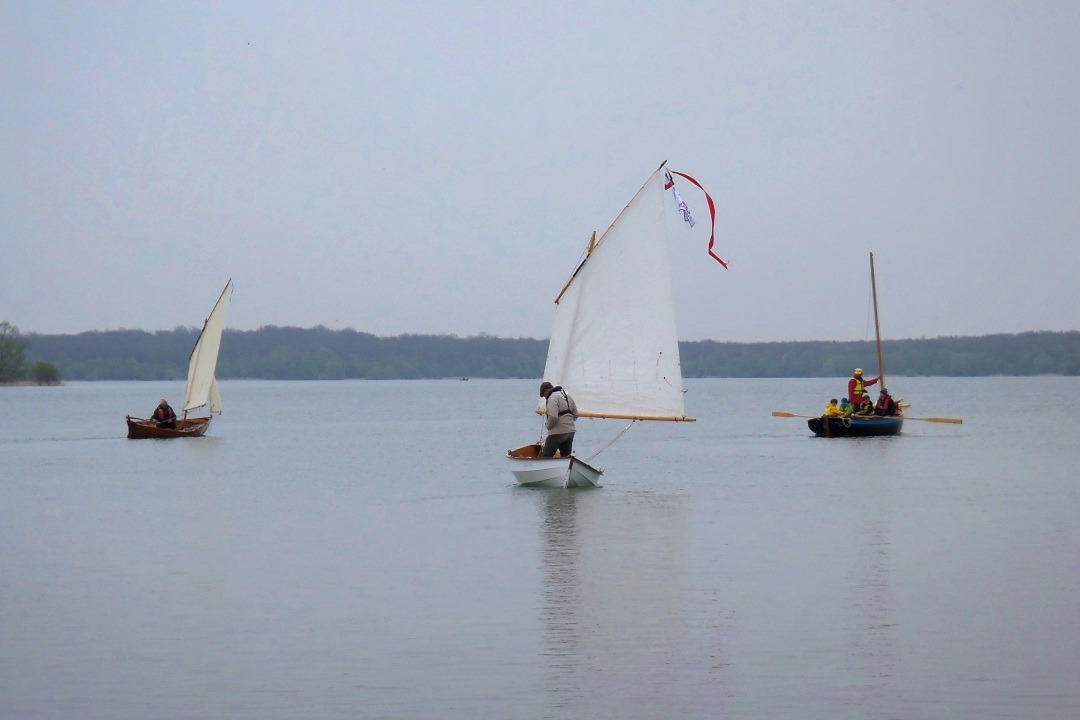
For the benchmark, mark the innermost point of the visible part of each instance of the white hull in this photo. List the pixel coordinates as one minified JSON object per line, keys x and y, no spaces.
{"x":583,"y":475}
{"x":556,"y":472}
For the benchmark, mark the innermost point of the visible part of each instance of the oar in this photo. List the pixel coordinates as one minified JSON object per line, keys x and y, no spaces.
{"x":955,"y":421}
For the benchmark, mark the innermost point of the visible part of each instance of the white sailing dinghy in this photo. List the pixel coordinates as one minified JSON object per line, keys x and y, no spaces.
{"x":613,"y":345}
{"x":202,"y":386}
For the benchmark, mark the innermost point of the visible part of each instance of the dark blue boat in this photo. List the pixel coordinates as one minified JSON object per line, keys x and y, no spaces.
{"x":866,"y":426}
{"x":855,"y":426}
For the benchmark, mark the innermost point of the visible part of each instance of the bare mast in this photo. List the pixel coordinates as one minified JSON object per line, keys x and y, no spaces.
{"x":877,"y":324}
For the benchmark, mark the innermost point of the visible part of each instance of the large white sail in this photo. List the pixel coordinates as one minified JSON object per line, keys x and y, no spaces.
{"x":613,"y":344}
{"x":202,"y":365}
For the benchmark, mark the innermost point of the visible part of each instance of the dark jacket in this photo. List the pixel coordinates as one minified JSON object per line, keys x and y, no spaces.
{"x":885,"y":406}
{"x":164,"y":415}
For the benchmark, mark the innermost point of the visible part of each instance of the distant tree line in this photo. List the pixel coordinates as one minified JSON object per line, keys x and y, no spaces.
{"x":290,"y":353}
{"x":1031,"y":353}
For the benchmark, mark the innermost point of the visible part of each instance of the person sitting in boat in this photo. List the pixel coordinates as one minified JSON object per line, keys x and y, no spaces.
{"x":561,"y":414}
{"x":846,"y":408}
{"x":832,"y":409}
{"x":886,"y":406}
{"x":164,"y":415}
{"x":867,"y":407}
{"x":856,"y":387}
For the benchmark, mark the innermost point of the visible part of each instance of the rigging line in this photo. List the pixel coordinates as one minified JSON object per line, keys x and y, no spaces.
{"x":662,"y":377}
{"x":612,"y":441}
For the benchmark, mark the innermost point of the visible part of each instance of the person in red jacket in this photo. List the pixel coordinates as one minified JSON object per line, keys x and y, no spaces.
{"x":886,"y":406}
{"x":856,"y":387}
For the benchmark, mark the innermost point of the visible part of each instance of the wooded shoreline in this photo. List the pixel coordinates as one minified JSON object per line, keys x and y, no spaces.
{"x":289,"y":353}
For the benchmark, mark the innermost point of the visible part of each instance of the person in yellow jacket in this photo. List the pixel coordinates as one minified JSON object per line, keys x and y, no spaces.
{"x":833,"y":410}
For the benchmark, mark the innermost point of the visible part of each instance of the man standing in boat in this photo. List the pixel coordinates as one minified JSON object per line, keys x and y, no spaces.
{"x":856,"y":387}
{"x":561,"y":413}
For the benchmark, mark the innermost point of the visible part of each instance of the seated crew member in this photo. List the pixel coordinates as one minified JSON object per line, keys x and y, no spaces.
{"x":164,"y":415}
{"x":886,"y":406}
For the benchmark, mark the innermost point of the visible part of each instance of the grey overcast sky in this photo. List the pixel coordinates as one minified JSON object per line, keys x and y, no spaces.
{"x":437,"y":167}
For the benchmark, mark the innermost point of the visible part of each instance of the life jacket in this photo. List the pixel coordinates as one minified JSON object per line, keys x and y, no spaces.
{"x":562,"y":392}
{"x":885,"y":406}
{"x":857,"y":387}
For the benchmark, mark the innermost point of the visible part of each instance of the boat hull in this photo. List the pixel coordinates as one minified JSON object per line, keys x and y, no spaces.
{"x":140,"y":429}
{"x":855,"y":426}
{"x":531,"y":470}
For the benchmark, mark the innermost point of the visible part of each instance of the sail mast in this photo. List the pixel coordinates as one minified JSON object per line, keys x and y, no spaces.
{"x":877,"y":324}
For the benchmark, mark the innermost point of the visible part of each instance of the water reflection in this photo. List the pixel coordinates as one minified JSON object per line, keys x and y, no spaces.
{"x":559,"y":558}
{"x":872,"y":639}
{"x":627,"y":622}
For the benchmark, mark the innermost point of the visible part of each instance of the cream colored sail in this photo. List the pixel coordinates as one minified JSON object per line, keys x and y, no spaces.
{"x":202,"y":365}
{"x":613,"y":344}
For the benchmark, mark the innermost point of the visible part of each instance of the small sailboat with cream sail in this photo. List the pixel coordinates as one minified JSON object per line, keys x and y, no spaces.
{"x":613,"y":343}
{"x":202,"y":389}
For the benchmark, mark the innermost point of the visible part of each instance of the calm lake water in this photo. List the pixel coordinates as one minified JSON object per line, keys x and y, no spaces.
{"x":358,"y":550}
